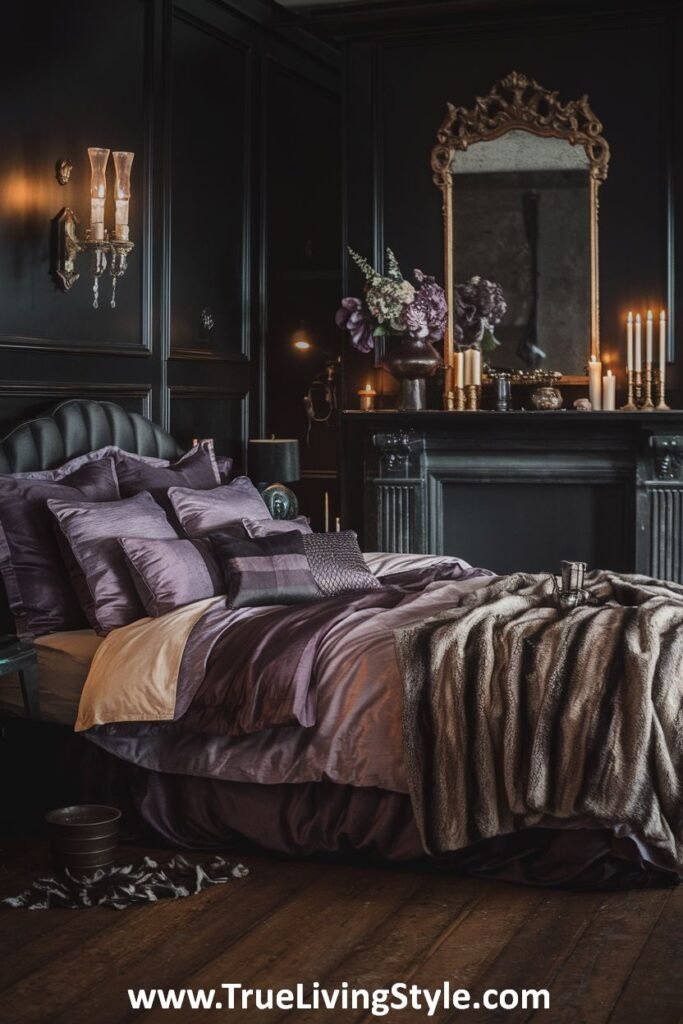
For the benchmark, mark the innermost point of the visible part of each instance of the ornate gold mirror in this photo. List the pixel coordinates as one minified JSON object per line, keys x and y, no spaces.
{"x":522,"y":211}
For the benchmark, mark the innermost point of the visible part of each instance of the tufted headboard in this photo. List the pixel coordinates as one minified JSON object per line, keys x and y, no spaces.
{"x":75,"y":427}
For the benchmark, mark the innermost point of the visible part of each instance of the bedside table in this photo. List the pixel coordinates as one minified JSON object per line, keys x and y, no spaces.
{"x":20,"y":656}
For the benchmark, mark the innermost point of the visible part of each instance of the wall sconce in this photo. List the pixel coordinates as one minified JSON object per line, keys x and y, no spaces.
{"x":320,"y":400}
{"x":104,"y":249}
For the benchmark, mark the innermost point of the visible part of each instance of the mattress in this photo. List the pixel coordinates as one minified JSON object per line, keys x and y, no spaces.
{"x":63,"y":663}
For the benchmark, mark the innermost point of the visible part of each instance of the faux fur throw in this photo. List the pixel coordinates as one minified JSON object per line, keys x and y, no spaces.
{"x":517,"y":712}
{"x":124,"y":886}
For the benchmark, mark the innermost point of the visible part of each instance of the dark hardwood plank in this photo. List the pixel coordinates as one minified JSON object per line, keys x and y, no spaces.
{"x":302,"y":940}
{"x":390,"y":952}
{"x":593,"y":976}
{"x":462,"y":954}
{"x":533,"y":956}
{"x":654,"y":991}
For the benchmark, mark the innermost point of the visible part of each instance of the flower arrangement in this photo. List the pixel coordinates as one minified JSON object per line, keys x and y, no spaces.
{"x":392,"y":306}
{"x":479,"y":308}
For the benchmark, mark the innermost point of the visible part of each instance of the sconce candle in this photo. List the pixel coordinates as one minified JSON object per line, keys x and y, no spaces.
{"x":629,"y":342}
{"x":123,"y":163}
{"x":98,"y":191}
{"x":367,"y":397}
{"x":595,"y":383}
{"x":609,"y":384}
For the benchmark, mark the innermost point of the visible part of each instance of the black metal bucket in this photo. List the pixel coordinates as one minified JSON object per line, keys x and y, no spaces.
{"x":84,"y":838}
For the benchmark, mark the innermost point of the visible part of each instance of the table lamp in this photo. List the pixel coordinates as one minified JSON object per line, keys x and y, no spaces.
{"x":274,"y":462}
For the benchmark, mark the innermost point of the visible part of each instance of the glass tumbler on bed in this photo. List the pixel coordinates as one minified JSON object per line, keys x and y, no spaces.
{"x":571,"y":590}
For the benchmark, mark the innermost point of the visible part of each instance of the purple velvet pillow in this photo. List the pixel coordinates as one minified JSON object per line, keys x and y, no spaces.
{"x":92,"y":531}
{"x":267,"y":527}
{"x":40,"y":595}
{"x":196,"y":470}
{"x":203,"y":512}
{"x":170,"y":573}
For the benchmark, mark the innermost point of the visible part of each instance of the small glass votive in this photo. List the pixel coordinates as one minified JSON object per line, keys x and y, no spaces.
{"x":367,"y":397}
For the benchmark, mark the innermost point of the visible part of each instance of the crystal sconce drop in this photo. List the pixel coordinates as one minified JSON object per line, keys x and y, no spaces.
{"x":105,"y":249}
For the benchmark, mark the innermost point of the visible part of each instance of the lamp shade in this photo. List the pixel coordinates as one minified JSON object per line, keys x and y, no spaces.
{"x":274,"y":460}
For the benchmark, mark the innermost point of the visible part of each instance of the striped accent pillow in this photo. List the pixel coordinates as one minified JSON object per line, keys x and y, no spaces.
{"x":265,"y":570}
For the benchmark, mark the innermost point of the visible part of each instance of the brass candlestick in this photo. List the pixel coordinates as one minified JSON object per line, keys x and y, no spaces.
{"x":459,"y":399}
{"x":630,"y":404}
{"x":660,"y":391}
{"x":648,"y":404}
{"x":471,"y":404}
{"x":638,"y":388}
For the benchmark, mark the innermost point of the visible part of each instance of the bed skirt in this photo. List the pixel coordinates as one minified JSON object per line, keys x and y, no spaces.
{"x":326,"y":819}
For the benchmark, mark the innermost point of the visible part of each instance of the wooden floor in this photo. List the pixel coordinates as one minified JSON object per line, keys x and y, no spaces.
{"x":603,"y":957}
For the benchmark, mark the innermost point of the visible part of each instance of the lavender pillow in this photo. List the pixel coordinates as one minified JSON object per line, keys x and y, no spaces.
{"x":196,"y":470}
{"x":203,"y":512}
{"x":40,"y":595}
{"x":265,"y":570}
{"x":267,"y":527}
{"x":337,"y":563}
{"x":104,"y":584}
{"x":170,"y":573}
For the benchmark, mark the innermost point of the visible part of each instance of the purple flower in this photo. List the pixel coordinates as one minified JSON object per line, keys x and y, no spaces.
{"x":479,"y":306}
{"x":426,"y":316}
{"x":352,"y":316}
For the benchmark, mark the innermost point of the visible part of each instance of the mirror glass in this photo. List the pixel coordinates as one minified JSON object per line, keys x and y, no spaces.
{"x":522,"y":210}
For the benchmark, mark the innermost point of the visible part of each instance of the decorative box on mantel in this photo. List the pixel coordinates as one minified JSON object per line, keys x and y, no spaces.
{"x":519,"y":490}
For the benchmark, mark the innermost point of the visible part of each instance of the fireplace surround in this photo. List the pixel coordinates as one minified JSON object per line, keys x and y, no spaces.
{"x":519,"y":490}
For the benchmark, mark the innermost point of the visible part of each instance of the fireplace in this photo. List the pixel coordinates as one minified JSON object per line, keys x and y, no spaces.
{"x":519,"y":491}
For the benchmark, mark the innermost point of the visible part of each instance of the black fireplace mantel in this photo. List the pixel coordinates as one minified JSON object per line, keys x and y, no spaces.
{"x":519,"y":490}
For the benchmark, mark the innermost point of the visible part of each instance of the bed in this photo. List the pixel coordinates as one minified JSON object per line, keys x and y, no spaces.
{"x":284,"y":728}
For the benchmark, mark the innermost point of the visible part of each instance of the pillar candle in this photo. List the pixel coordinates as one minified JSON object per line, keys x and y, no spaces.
{"x":472,"y":366}
{"x":459,"y":369}
{"x":467,"y":364}
{"x":595,"y":383}
{"x":629,"y":342}
{"x":638,"y":360}
{"x":476,"y":366}
{"x":648,"y":339}
{"x":609,"y":384}
{"x":662,"y":341}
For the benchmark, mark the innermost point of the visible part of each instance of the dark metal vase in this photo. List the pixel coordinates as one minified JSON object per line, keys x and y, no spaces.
{"x":411,"y":361}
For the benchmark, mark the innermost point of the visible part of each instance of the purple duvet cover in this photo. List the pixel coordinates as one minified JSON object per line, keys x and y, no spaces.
{"x":287,"y":734}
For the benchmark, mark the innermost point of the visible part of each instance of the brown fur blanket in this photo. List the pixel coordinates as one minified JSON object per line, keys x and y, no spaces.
{"x":518,"y":713}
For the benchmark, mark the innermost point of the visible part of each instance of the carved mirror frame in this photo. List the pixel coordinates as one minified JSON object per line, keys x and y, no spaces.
{"x":518,"y":103}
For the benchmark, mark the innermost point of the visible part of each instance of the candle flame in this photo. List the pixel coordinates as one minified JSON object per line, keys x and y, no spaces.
{"x":638,"y":318}
{"x":630,"y":317}
{"x":649,"y":314}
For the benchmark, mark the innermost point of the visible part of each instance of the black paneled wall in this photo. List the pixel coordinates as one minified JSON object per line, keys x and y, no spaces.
{"x":186,"y":86}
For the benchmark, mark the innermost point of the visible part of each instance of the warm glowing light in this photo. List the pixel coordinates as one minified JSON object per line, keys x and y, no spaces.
{"x":302,"y":345}
{"x":20,"y":194}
